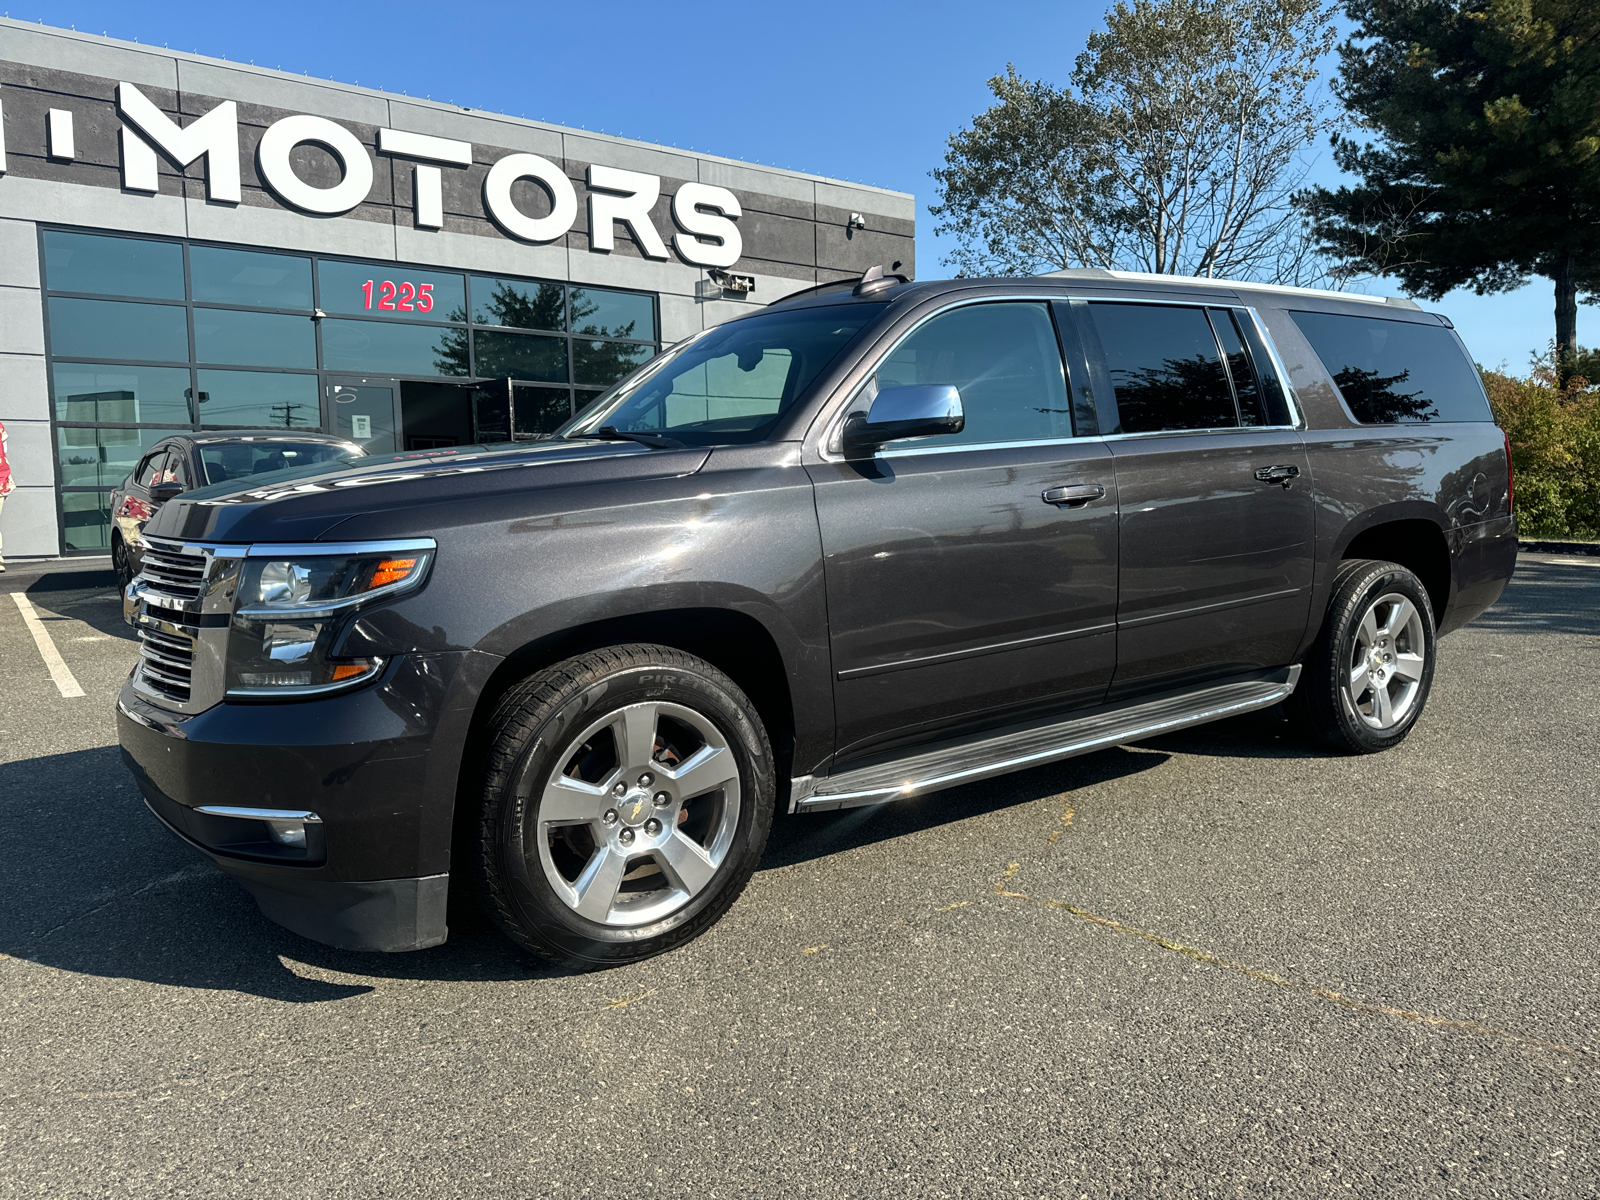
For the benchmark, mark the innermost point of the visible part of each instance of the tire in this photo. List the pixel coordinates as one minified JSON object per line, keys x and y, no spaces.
{"x":627,"y":797}
{"x":1364,"y":684}
{"x":120,"y":563}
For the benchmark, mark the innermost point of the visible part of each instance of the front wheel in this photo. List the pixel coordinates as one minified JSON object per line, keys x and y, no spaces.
{"x":121,"y":564}
{"x":627,"y":798}
{"x":1368,"y":675}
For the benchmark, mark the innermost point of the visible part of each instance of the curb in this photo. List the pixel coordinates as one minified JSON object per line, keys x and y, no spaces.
{"x":1549,"y":547}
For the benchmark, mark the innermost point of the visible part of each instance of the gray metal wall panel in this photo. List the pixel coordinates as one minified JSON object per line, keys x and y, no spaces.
{"x":21,"y":321}
{"x":19,"y":254}
{"x":28,"y":522}
{"x":24,"y":395}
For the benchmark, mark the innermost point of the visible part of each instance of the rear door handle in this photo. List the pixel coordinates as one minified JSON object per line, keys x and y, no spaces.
{"x":1280,"y":474}
{"x":1072,"y":495}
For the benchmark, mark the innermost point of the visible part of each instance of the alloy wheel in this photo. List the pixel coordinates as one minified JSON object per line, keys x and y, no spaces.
{"x":639,"y":814}
{"x":1387,"y":662}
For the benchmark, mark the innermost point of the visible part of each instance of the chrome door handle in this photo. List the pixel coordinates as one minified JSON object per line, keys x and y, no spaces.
{"x":1278,"y":474}
{"x":1072,"y":495}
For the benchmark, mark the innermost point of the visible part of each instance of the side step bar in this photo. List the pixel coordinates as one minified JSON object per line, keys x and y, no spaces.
{"x":998,"y":754}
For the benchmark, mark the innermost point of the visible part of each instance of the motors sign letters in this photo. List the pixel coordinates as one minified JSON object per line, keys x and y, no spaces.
{"x":707,"y":234}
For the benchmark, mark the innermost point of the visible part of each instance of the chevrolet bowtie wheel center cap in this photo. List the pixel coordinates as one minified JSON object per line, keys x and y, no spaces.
{"x":635,"y":808}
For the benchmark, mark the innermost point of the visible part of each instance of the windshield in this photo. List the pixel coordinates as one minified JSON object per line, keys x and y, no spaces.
{"x":226,"y":461}
{"x":731,"y":383}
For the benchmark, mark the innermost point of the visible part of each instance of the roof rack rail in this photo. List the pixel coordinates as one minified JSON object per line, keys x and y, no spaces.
{"x":873,"y":279}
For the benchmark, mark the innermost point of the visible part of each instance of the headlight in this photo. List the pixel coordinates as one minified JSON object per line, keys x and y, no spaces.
{"x":291,"y":603}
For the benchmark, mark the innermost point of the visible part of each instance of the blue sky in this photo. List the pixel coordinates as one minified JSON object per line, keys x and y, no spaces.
{"x":857,"y":91}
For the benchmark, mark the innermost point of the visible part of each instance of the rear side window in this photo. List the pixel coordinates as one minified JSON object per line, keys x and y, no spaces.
{"x":1165,"y":367}
{"x":1005,"y":361}
{"x":1396,"y":371}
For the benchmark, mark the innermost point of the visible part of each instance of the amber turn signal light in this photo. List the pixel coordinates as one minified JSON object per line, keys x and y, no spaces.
{"x":391,"y":570}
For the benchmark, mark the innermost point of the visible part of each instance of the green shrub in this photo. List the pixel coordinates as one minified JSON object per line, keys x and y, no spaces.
{"x":1555,"y":450}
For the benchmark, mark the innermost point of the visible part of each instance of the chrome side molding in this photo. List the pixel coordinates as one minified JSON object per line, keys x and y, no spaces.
{"x":971,"y":760}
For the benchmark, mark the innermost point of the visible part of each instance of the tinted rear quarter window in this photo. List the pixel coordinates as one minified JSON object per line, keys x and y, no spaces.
{"x":1396,"y":371}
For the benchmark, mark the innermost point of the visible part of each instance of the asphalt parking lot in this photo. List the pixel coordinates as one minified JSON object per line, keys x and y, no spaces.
{"x":1213,"y":964}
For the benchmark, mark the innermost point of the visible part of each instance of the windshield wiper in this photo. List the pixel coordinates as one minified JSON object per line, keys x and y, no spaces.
{"x":656,"y":441}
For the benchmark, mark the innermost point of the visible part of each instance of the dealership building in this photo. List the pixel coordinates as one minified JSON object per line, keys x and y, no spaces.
{"x":193,"y":244}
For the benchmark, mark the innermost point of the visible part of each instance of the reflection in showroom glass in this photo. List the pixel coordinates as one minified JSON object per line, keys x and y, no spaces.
{"x":252,"y":339}
{"x":220,"y":275}
{"x":114,"y":266}
{"x":117,"y":329}
{"x":262,"y":399}
{"x":91,"y":393}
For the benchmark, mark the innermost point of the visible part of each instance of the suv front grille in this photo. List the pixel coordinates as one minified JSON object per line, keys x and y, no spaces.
{"x":166,"y":663}
{"x":172,"y":573}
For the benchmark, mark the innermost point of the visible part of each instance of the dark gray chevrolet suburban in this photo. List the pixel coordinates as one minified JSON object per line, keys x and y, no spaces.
{"x":877,"y":539}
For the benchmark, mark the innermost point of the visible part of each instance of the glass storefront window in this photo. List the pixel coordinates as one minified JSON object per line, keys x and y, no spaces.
{"x":391,"y":290}
{"x":371,"y":347}
{"x":87,"y":518}
{"x":519,"y":303}
{"x":113,"y":329}
{"x":252,"y":339}
{"x":94,"y":394}
{"x":613,"y":314}
{"x":133,"y":302}
{"x":603,"y":363}
{"x":260,"y":399}
{"x":112,"y":266}
{"x":223,"y":276}
{"x":102,"y":457}
{"x":541,"y":410}
{"x":520,"y":356}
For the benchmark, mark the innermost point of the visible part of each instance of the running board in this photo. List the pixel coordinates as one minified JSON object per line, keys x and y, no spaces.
{"x":974,"y":759}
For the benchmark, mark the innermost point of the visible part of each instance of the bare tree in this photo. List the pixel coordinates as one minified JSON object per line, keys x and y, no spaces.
{"x":1178,"y":152}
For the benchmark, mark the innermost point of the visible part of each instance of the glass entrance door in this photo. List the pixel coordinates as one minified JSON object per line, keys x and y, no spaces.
{"x":363,"y":410}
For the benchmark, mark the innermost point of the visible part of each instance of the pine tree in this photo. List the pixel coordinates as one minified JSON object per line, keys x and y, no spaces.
{"x":1483,"y":165}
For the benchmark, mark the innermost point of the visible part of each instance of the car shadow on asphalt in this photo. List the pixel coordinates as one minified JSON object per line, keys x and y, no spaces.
{"x":87,"y":596}
{"x":97,"y":886}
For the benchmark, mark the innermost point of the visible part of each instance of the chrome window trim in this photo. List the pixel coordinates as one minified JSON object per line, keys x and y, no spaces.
{"x":834,"y":425}
{"x":1295,"y":409}
{"x":967,"y":447}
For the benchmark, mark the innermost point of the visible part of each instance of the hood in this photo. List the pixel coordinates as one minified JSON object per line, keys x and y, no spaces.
{"x":306,"y":504}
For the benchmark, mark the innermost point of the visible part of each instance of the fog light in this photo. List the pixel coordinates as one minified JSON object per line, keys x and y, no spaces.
{"x":288,"y":833}
{"x":285,"y":826}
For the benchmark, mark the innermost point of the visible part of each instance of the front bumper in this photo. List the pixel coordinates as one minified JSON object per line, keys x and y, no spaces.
{"x":378,"y":765}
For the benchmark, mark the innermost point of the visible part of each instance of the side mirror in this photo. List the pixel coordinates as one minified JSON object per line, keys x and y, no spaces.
{"x":919,"y":410}
{"x":160,"y":493}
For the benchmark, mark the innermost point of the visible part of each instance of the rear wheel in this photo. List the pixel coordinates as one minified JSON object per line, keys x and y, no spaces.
{"x":627,"y":798}
{"x":1367,"y":677}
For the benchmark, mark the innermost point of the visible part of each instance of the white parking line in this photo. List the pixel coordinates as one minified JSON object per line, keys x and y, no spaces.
{"x":59,"y":673}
